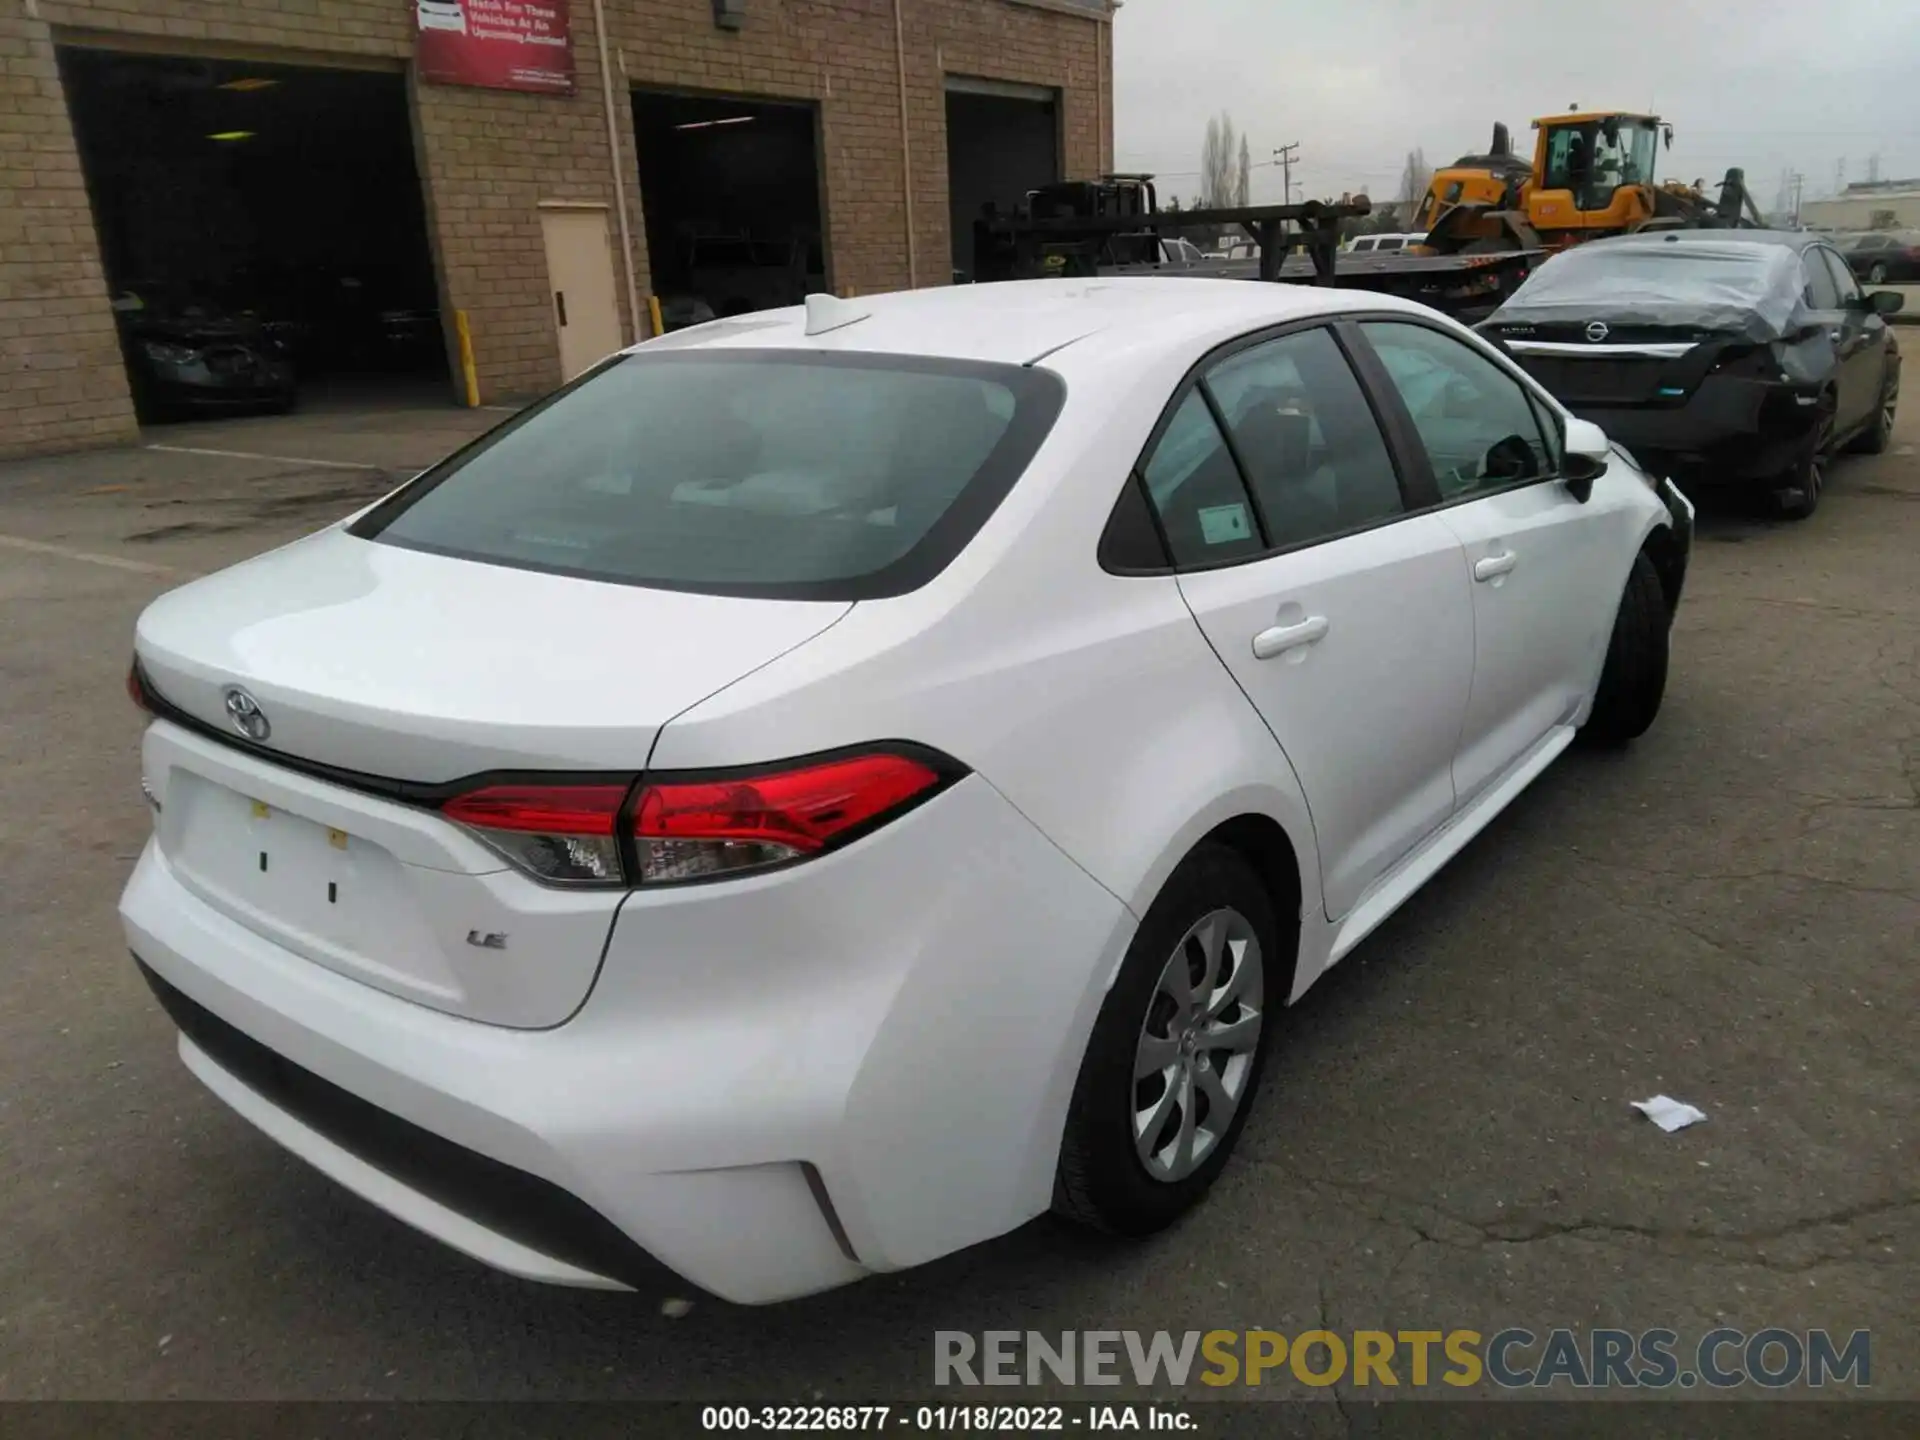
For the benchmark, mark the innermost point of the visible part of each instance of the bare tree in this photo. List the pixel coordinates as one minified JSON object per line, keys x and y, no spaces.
{"x":1218,"y":178}
{"x":1243,"y":175}
{"x":1415,"y":178}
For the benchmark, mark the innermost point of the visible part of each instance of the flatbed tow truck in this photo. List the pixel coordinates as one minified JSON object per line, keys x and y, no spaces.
{"x":1114,"y":226}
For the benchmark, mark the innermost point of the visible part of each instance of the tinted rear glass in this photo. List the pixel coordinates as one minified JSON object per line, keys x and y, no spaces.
{"x":773,"y":473}
{"x":1602,"y":270}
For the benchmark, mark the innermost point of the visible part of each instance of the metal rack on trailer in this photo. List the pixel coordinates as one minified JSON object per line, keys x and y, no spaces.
{"x":1114,"y":226}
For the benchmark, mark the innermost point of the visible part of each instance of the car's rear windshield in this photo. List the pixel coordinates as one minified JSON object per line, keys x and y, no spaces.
{"x":776,"y":473}
{"x":1604,"y":270}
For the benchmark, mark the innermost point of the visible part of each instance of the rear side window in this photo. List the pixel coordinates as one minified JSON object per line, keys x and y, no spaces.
{"x":1307,"y":438}
{"x":772,"y":473}
{"x":1197,"y":491}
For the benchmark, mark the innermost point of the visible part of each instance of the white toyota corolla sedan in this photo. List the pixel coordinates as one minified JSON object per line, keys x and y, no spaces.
{"x":830,"y":785}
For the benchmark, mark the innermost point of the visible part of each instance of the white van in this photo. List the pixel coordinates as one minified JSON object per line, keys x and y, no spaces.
{"x":1380,"y":244}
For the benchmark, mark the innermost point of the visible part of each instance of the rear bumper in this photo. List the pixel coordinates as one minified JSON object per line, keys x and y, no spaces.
{"x":1729,"y":431}
{"x":777,"y":1086}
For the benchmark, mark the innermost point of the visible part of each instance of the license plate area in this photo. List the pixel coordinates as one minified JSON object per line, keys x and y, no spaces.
{"x":282,"y":873}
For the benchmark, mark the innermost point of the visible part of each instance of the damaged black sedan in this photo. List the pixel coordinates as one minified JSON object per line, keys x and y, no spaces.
{"x":187,"y":358}
{"x":1721,"y":358}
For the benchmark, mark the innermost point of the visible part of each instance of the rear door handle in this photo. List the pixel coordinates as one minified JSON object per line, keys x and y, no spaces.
{"x":1281,"y":638}
{"x":1494,"y":566}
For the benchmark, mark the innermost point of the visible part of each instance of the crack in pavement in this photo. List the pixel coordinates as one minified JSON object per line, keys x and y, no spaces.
{"x":1326,"y":1324}
{"x":1773,"y":873}
{"x":1515,"y":1230}
{"x":1852,"y":612}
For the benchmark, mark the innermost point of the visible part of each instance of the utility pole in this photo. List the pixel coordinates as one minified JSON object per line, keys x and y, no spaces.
{"x":1799,"y":184}
{"x":1285,"y":156}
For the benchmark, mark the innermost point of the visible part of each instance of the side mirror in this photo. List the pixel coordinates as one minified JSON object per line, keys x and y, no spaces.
{"x":1886,"y":302}
{"x":1584,"y":452}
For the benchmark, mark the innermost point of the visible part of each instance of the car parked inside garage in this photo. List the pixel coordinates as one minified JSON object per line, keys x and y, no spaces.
{"x":186,"y":357}
{"x":825,"y":787}
{"x":1727,"y":358}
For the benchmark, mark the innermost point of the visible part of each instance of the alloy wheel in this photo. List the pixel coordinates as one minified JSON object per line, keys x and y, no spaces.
{"x":1197,"y":1045}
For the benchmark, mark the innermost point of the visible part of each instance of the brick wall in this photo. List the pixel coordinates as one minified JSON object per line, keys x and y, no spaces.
{"x":841,"y":55}
{"x":489,"y":158}
{"x":61,"y":385}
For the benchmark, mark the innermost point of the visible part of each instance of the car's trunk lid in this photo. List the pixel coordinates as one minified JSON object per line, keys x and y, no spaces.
{"x":384,"y":676}
{"x":1596,"y":364}
{"x":418,"y":667}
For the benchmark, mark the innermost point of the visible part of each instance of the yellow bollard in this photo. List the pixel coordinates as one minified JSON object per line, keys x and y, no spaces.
{"x":467,"y":371}
{"x":653,"y":314}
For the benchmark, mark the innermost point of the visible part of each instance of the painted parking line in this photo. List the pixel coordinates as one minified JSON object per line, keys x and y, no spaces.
{"x":90,"y":557}
{"x":275,"y":459}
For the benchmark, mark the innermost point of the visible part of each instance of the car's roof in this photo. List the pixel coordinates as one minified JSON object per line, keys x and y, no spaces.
{"x":1648,"y":239}
{"x":1018,"y":322}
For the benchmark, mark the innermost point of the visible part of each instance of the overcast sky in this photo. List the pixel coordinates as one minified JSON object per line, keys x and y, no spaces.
{"x":1756,"y":83}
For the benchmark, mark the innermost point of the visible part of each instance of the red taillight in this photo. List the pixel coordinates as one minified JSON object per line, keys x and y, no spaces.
{"x":137,"y":688}
{"x":695,"y":828}
{"x":545,"y":809}
{"x":559,"y":833}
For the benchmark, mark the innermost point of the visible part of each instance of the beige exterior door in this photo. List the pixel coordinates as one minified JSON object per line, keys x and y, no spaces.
{"x":580,"y":279}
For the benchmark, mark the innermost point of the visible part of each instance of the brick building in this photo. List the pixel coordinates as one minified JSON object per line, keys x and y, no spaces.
{"x":907,"y":111}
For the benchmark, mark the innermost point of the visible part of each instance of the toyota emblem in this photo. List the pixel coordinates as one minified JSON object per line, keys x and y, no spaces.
{"x":1597,"y":331}
{"x":245,"y":713}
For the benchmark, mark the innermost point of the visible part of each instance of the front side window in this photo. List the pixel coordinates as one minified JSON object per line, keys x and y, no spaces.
{"x":1845,"y":286}
{"x":1820,"y":293}
{"x":1594,"y":160}
{"x":1476,"y":422}
{"x":772,"y":473}
{"x":1313,"y":453}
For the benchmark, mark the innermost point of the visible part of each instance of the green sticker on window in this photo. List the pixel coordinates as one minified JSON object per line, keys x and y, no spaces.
{"x":1224,"y":524}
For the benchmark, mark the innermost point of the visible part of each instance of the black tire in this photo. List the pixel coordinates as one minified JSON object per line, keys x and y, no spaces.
{"x":1878,"y":435}
{"x":1634,"y":679}
{"x":1102,"y":1181}
{"x":1802,"y":486}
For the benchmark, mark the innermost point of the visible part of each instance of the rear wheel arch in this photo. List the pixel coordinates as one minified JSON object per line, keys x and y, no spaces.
{"x":1264,"y":844}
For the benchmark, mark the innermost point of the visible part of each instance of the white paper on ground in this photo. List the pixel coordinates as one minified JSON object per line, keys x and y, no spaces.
{"x":1668,"y":1113}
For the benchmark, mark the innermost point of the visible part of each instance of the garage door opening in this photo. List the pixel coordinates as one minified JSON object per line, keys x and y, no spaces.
{"x":731,"y":193}
{"x":1002,"y":141}
{"x":262,"y":230}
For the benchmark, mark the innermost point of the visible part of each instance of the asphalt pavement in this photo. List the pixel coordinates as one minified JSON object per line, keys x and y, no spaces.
{"x":1728,"y":912}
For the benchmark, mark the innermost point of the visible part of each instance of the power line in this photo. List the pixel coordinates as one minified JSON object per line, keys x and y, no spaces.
{"x":1285,"y":156}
